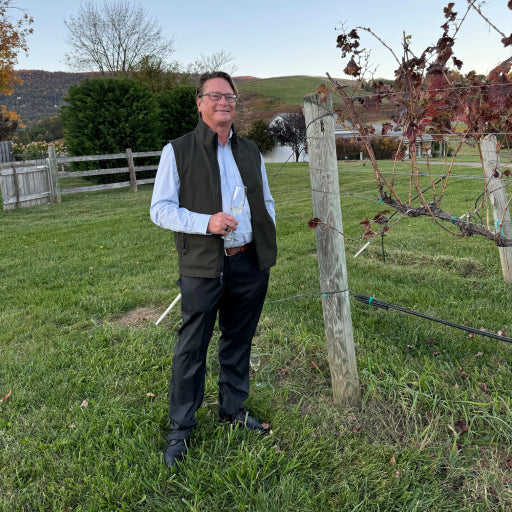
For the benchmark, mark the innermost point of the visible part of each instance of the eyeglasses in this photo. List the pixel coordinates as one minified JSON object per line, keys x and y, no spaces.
{"x":216,"y":96}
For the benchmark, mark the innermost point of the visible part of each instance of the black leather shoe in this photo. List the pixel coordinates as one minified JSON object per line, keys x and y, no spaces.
{"x":241,"y":418}
{"x":176,"y":450}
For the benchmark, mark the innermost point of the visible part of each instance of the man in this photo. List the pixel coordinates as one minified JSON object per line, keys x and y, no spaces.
{"x":192,"y":196}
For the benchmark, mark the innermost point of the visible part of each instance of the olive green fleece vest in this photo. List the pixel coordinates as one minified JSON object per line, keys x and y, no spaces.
{"x":200,"y":191}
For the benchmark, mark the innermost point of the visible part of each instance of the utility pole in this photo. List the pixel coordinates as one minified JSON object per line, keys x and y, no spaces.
{"x":323,"y":167}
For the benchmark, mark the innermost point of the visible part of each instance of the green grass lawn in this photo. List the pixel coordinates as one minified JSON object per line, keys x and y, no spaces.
{"x":290,"y":90}
{"x":83,"y":281}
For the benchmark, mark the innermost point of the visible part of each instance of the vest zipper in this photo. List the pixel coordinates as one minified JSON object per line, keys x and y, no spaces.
{"x":219,"y":208}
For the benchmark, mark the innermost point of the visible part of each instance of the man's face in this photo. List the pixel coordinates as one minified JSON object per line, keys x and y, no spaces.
{"x":216,"y":113}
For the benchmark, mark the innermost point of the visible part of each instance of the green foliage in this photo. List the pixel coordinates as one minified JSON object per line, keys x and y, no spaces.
{"x":34,"y":150}
{"x":21,"y":137}
{"x":367,"y":85}
{"x":153,"y":72}
{"x":385,"y":147}
{"x":350,"y":149}
{"x":178,"y":112}
{"x":47,"y":130}
{"x":9,"y":122}
{"x":108,"y":115}
{"x":261,"y":135}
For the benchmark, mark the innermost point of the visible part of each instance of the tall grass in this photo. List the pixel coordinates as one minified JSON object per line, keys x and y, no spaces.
{"x":82,"y":283}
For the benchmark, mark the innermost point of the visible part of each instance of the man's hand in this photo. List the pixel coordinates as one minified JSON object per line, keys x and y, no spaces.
{"x":221,"y":224}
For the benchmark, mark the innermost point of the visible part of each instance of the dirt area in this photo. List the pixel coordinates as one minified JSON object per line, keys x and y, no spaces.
{"x":139,"y":316}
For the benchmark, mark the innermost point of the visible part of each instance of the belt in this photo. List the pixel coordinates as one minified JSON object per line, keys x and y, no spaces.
{"x":236,"y":250}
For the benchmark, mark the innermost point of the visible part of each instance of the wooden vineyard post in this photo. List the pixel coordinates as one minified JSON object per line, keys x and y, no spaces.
{"x":501,"y":208}
{"x":331,"y":250}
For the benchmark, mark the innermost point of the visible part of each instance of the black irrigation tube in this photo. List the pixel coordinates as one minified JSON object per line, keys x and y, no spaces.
{"x":384,"y":305}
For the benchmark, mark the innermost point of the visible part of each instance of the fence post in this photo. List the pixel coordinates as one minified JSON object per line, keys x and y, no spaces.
{"x":16,"y":184}
{"x":53,"y":176}
{"x":496,"y":189}
{"x":131,"y":167}
{"x":323,"y":167}
{"x":6,"y":151}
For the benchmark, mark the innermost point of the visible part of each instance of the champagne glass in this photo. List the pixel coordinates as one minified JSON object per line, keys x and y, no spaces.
{"x":255,"y":361}
{"x":237,"y":206}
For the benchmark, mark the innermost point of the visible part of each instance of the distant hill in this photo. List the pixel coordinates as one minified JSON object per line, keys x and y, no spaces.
{"x":42,"y":93}
{"x":265,"y":97}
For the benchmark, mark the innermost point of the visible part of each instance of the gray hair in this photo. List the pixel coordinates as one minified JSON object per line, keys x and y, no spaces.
{"x":213,"y":74}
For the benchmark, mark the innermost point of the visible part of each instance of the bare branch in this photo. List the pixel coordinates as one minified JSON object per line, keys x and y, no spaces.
{"x":479,"y":11}
{"x":219,"y":61}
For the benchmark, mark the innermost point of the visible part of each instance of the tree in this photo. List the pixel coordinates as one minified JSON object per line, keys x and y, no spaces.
{"x":113,"y":38}
{"x":9,"y":122}
{"x":108,"y":115}
{"x":156,"y":74}
{"x":260,"y":134}
{"x":47,"y":130}
{"x":13,"y":34}
{"x":21,"y":137}
{"x":178,"y":112}
{"x":219,"y":61}
{"x":290,"y":130}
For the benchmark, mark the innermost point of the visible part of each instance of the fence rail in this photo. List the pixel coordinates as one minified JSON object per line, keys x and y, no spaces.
{"x":29,"y":183}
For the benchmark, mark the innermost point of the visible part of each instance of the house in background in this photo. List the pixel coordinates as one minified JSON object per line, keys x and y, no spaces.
{"x":282,"y":154}
{"x":423,"y":144}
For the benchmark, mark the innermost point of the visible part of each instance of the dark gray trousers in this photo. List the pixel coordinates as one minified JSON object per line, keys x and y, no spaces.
{"x":238,"y":299}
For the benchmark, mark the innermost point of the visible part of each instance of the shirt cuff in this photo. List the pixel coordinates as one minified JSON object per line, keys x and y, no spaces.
{"x":202,"y":223}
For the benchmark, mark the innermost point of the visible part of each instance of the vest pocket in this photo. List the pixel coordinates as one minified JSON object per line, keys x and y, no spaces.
{"x":181,"y":242}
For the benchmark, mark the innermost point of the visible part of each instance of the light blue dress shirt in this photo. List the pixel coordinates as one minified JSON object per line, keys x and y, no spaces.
{"x":166,"y":212}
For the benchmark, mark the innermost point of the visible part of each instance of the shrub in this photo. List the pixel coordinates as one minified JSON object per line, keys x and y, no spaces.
{"x":34,"y":150}
{"x":260,"y":134}
{"x":178,"y":112}
{"x":384,"y":147}
{"x":350,"y":149}
{"x":47,"y":130}
{"x":108,"y":115}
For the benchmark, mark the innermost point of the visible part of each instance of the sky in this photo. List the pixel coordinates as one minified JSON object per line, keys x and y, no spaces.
{"x":283,"y":38}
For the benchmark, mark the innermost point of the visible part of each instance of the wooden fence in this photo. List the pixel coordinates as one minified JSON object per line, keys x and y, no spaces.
{"x":29,"y":183}
{"x":24,"y":184}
